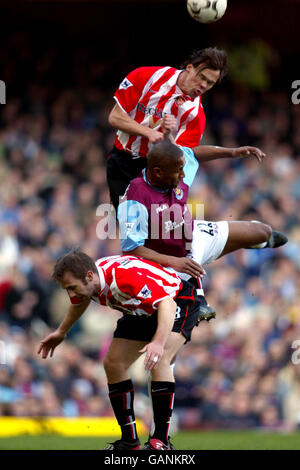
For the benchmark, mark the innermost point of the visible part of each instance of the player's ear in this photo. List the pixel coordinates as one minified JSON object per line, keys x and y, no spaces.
{"x":89,"y":275}
{"x":156,"y":172}
{"x":189,"y":67}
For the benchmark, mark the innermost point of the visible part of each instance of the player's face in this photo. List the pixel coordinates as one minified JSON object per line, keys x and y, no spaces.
{"x":172,"y":175}
{"x":76,"y":288}
{"x":199,"y":80}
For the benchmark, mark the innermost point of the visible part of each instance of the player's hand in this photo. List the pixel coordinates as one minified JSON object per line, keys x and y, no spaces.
{"x":154,"y":136}
{"x":242,"y":152}
{"x":49,"y":343}
{"x":154,"y":352}
{"x":168,"y":124}
{"x":186,"y":265}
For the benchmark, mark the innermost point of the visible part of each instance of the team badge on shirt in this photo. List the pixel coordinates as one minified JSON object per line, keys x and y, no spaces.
{"x":178,"y":193}
{"x":145,"y":292}
{"x":125,"y":84}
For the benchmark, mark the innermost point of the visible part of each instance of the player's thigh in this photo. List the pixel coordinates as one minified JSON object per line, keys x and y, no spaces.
{"x":209,"y":240}
{"x":243,"y":234}
{"x":123,"y":352}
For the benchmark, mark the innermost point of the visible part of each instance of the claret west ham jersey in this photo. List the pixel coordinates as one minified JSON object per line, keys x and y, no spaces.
{"x":134,"y":285}
{"x":146,"y":95}
{"x":158,"y":219}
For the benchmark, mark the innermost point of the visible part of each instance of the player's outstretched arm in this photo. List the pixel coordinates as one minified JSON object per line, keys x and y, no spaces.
{"x":49,"y":343}
{"x":206,"y":153}
{"x":165,"y":319}
{"x":181,"y":265}
{"x":122,"y":121}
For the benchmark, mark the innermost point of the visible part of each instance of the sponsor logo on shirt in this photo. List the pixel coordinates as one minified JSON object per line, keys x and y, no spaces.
{"x":145,"y":292}
{"x":169,"y":225}
{"x":125,"y":84}
{"x":153,"y":124}
{"x":161,"y":208}
{"x":156,"y":112}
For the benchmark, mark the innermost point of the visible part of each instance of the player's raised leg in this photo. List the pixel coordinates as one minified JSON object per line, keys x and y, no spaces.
{"x":211,"y":240}
{"x":252,"y":234}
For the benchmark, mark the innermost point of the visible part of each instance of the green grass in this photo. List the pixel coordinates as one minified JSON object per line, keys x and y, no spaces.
{"x":196,"y":440}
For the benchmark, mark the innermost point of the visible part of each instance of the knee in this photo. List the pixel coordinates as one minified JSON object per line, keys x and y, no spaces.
{"x":164,"y":363}
{"x":262,"y":230}
{"x":113,"y":365}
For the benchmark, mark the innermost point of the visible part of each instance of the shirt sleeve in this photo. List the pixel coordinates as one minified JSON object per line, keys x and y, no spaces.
{"x":131,"y":88}
{"x":193,"y":132}
{"x":191,"y":165}
{"x":133,"y":221}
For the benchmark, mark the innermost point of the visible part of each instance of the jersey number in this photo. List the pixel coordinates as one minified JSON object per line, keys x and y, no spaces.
{"x":209,"y":229}
{"x":177,"y":314}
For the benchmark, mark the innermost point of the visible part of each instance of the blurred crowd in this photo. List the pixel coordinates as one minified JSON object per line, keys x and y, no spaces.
{"x":237,"y":372}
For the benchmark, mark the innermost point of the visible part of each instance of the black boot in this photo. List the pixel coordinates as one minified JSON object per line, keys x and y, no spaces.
{"x":206,"y":312}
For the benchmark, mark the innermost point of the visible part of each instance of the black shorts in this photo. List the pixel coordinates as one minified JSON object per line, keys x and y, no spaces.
{"x":120,"y":170}
{"x":142,"y":328}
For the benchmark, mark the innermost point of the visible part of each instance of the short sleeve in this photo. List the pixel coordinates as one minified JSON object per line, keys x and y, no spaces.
{"x":191,"y":165}
{"x":131,"y":88}
{"x":192,"y":132}
{"x":133,"y":223}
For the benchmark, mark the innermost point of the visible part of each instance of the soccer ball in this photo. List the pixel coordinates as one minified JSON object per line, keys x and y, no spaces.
{"x":206,"y":11}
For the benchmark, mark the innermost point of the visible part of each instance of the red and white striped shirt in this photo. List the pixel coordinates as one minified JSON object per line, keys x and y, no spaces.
{"x":133,"y":285}
{"x":146,"y":95}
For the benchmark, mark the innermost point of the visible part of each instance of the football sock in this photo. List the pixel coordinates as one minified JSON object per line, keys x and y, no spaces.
{"x":121,"y":396}
{"x":259,"y":245}
{"x":197,"y":282}
{"x":200,"y":290}
{"x":163,"y":402}
{"x":149,"y":378}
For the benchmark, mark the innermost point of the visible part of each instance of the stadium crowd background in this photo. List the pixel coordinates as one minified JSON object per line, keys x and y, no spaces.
{"x":54,"y":138}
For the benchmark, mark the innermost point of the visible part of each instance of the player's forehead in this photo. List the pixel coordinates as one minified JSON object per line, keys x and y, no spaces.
{"x":206,"y":72}
{"x":176,"y":164}
{"x":69,"y":279}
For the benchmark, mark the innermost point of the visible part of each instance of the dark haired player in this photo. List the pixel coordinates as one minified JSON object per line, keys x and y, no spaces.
{"x":143,"y":291}
{"x":144,"y":97}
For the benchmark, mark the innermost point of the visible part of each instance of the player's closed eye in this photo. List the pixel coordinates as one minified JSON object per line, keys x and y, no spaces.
{"x":202,"y":77}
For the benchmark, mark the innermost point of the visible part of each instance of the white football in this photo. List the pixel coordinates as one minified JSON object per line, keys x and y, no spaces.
{"x":206,"y":11}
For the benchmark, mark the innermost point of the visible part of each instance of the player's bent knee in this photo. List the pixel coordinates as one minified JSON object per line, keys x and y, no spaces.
{"x":268,"y":231}
{"x":113,"y":365}
{"x":264,"y":231}
{"x":164,"y":362}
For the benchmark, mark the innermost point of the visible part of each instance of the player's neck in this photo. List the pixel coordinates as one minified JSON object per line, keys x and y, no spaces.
{"x":97,"y":287}
{"x":181,"y":81}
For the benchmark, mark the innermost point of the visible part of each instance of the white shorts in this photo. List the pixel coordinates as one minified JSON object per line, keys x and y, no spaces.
{"x":209,"y":240}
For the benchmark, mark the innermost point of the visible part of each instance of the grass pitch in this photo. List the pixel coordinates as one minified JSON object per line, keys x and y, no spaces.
{"x":194,"y":440}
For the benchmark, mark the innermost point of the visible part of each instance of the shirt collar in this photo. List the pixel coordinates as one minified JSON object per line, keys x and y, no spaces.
{"x":180,"y":94}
